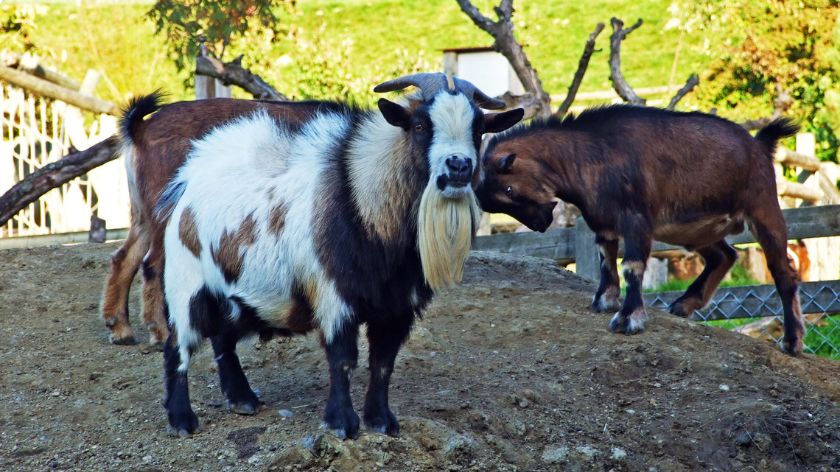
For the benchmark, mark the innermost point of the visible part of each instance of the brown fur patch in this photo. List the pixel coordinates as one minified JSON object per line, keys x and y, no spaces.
{"x":188,"y":232}
{"x":277,"y":219}
{"x":227,"y":255}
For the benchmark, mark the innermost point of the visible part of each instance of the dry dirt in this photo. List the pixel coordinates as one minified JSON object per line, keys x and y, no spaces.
{"x":509,"y":371}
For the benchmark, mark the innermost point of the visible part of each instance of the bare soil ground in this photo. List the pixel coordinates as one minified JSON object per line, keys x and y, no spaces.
{"x":509,"y":371}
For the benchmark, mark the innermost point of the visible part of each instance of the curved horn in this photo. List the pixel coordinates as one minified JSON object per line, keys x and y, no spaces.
{"x":478,"y":96}
{"x":430,"y":83}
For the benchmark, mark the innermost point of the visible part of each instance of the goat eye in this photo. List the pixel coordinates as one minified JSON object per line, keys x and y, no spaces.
{"x":509,"y":191}
{"x":418,"y":127}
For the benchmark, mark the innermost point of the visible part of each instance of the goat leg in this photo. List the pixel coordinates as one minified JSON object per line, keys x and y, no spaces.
{"x":182,"y":419}
{"x":385,"y":340}
{"x":609,"y":289}
{"x":718,"y":258}
{"x":342,"y":355}
{"x":630,"y":319}
{"x":241,"y":399}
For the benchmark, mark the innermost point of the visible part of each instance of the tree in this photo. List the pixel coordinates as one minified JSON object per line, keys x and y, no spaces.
{"x":216,"y":24}
{"x":771,"y":58}
{"x":536,"y":100}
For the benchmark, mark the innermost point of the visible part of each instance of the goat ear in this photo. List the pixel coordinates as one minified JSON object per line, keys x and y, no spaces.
{"x":394,"y":114}
{"x":506,"y":162}
{"x":498,"y":122}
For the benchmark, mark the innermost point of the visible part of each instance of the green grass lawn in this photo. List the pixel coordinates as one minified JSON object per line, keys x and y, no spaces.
{"x":375,"y":39}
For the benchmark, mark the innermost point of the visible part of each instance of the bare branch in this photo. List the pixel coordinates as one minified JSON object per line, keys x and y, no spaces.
{"x":619,"y":84}
{"x":480,"y":20}
{"x":233,"y":73}
{"x":54,"y":174}
{"x":588,"y":49}
{"x":506,"y":44}
{"x":505,"y":10}
{"x":692,"y":82}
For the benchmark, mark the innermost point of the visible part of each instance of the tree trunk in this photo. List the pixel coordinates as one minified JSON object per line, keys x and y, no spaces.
{"x":54,"y":174}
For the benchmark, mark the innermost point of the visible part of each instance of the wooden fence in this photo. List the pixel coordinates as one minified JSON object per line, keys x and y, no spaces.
{"x":819,"y":299}
{"x":577,"y":244}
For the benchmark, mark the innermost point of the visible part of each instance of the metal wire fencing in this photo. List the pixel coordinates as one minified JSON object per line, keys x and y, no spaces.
{"x":757,"y":311}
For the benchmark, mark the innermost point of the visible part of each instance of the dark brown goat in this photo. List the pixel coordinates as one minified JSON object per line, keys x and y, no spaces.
{"x":640,"y":174}
{"x":160,"y":149}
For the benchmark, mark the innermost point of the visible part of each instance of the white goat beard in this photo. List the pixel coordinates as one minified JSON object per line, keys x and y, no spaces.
{"x":444,"y":235}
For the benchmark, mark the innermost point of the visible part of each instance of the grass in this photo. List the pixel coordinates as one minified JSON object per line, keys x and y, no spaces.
{"x":378,"y":37}
{"x":738,"y":277}
{"x":820,"y":340}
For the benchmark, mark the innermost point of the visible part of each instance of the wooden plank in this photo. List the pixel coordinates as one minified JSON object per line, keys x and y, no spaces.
{"x":587,"y":262}
{"x":555,"y":243}
{"x":796,"y":159}
{"x":802,"y":223}
{"x":51,"y":90}
{"x":786,"y":188}
{"x":23,"y":242}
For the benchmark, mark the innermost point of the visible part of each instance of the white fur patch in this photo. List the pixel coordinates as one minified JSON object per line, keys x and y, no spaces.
{"x":226,"y":180}
{"x":374,"y":176}
{"x":129,"y":160}
{"x":452,"y":122}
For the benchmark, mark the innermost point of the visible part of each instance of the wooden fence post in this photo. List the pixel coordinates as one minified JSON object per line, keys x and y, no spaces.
{"x":587,"y":263}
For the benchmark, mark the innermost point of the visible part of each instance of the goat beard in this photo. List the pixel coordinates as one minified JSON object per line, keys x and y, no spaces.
{"x":445,"y":229}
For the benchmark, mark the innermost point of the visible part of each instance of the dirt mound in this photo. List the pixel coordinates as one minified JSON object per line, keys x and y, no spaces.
{"x":509,"y":371}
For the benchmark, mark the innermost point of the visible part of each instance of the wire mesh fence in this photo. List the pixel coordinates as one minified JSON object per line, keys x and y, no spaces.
{"x":757,"y":311}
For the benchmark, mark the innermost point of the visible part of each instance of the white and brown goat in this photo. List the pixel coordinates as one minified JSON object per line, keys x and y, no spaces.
{"x":344,"y":217}
{"x":155,"y":149}
{"x":639,"y":174}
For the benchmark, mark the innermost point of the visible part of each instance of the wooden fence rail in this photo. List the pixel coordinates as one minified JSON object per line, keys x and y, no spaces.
{"x":577,"y":244}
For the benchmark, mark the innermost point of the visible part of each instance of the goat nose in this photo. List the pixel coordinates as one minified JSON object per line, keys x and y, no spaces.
{"x":458,"y":165}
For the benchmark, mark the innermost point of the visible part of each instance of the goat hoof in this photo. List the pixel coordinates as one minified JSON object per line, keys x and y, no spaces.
{"x":618,"y":323}
{"x":793,"y":348}
{"x":603,"y":306}
{"x":630,"y":324}
{"x":344,"y":423}
{"x":126,"y":340}
{"x":383,"y":424}
{"x":678,"y":308}
{"x":183,"y":424}
{"x":244,"y":408}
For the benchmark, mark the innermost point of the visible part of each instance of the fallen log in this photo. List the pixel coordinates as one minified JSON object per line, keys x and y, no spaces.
{"x":54,"y":174}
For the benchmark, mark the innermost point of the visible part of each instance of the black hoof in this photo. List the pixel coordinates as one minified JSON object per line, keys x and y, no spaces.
{"x":793,"y":348}
{"x":383,"y":423}
{"x":618,"y":323}
{"x":343,"y":422}
{"x":629,"y":325}
{"x":244,"y":407}
{"x":678,"y":309}
{"x":183,"y":424}
{"x":125,"y":341}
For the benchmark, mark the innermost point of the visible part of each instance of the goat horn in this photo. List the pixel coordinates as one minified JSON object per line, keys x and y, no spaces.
{"x":478,"y":96}
{"x":430,"y":83}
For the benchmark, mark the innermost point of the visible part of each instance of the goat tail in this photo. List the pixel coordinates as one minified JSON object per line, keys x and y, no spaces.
{"x":770,"y":135}
{"x":136,"y":110}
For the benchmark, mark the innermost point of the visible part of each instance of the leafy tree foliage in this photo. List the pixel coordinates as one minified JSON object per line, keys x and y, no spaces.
{"x":219,"y":23}
{"x":762,"y":48}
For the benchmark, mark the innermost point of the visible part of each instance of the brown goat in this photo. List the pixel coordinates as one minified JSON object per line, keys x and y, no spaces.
{"x":640,"y":174}
{"x":160,"y":149}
